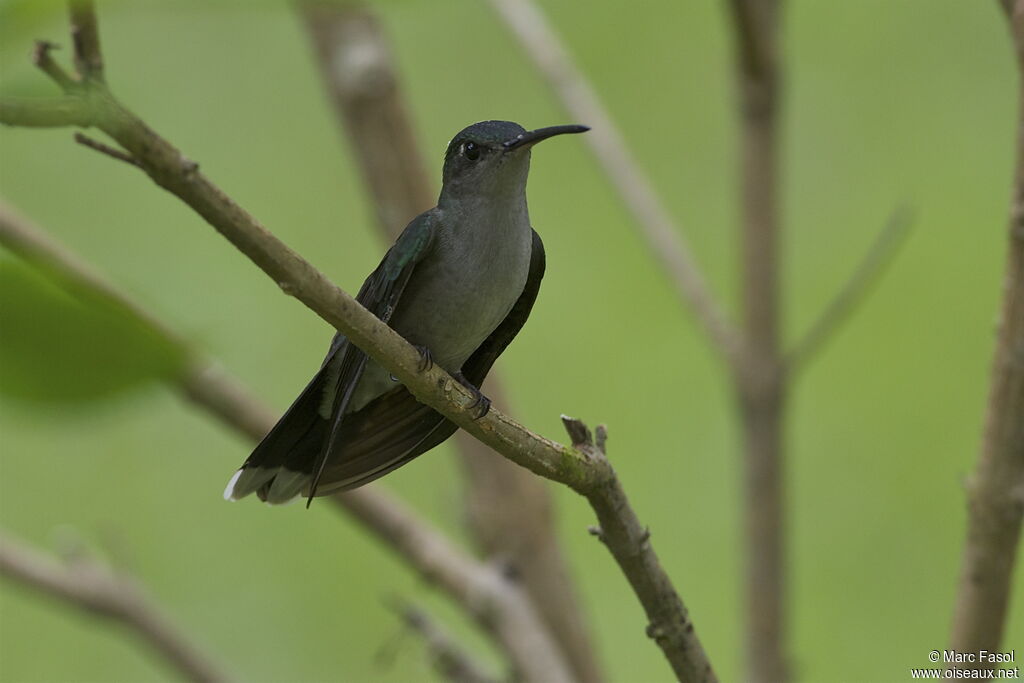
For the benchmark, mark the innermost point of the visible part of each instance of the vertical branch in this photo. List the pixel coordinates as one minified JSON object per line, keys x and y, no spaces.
{"x":509,"y":510}
{"x":668,"y":247}
{"x":760,"y":379}
{"x":86,"y":37}
{"x":996,"y":489}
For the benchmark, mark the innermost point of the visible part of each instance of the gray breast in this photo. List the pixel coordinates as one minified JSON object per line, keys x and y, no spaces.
{"x":459,"y":293}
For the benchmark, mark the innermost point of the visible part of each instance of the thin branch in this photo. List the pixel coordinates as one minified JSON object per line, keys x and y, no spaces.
{"x":46,"y":112}
{"x":449,"y":657}
{"x":761,"y":382}
{"x":508,"y":510}
{"x":664,"y":238}
{"x":996,"y":489}
{"x":592,"y":477}
{"x":96,"y":589}
{"x":86,"y":38}
{"x":479,"y":588}
{"x":868,"y":272}
{"x":87,"y":141}
{"x":42,"y":58}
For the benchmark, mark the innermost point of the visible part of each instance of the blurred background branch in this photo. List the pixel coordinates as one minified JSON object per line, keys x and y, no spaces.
{"x":99,"y":590}
{"x":667,"y":246}
{"x":508,"y":510}
{"x":450,"y":659}
{"x":869,"y":271}
{"x":760,"y":381}
{"x":995,"y":491}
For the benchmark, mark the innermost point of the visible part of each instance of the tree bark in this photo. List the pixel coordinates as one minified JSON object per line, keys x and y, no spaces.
{"x":995,"y":492}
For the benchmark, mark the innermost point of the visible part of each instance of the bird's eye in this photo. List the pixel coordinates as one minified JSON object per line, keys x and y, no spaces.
{"x":471,"y":150}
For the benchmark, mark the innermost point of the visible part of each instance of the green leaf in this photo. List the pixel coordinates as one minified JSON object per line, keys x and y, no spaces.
{"x":65,"y":344}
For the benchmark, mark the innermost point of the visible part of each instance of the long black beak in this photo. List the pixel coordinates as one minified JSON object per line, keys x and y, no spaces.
{"x":532,"y":137}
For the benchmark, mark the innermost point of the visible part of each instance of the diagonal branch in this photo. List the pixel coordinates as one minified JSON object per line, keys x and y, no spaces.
{"x":480,"y":589}
{"x":94,"y":588}
{"x":868,"y":272}
{"x":995,"y":492}
{"x":529,"y":25}
{"x":98,"y":146}
{"x":589,"y":474}
{"x":509,"y":511}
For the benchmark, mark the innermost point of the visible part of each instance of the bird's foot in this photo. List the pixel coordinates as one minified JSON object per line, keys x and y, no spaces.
{"x":481,"y":403}
{"x":426,"y":360}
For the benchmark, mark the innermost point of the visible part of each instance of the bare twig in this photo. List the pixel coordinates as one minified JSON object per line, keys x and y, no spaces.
{"x":591,"y":477}
{"x":529,"y":25}
{"x":42,"y":58}
{"x":760,"y":379}
{"x":106,"y":593}
{"x":86,"y":38}
{"x":448,"y":656}
{"x":508,"y":510}
{"x":87,"y":141}
{"x":869,"y":271}
{"x":996,"y":489}
{"x":480,"y":589}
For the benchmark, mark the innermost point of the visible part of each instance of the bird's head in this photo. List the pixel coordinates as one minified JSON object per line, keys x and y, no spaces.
{"x":492,"y":158}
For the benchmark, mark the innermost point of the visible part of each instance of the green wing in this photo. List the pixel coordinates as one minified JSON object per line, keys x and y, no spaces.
{"x":301,"y":443}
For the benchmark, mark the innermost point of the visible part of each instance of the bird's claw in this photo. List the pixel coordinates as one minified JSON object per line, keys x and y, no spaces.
{"x":481,"y":403}
{"x":426,"y":360}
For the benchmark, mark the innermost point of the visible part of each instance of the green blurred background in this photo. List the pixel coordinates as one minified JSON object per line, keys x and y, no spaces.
{"x":886,"y":103}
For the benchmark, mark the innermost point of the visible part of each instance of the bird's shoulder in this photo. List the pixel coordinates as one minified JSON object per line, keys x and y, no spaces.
{"x":412,"y":244}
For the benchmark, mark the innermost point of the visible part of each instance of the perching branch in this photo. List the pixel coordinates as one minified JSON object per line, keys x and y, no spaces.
{"x":857,"y":287}
{"x":448,"y":657}
{"x":481,"y":590}
{"x":588,"y":473}
{"x":103,"y":592}
{"x":508,"y":510}
{"x":995,"y":492}
{"x":529,"y":25}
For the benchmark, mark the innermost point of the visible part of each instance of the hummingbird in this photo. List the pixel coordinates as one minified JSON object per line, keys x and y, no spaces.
{"x":458,"y":284}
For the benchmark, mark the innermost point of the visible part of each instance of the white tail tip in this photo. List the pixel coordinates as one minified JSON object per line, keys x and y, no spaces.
{"x":229,"y":490}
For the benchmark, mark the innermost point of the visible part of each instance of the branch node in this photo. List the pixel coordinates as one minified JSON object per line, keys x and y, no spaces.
{"x":596,"y":532}
{"x":655,"y":632}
